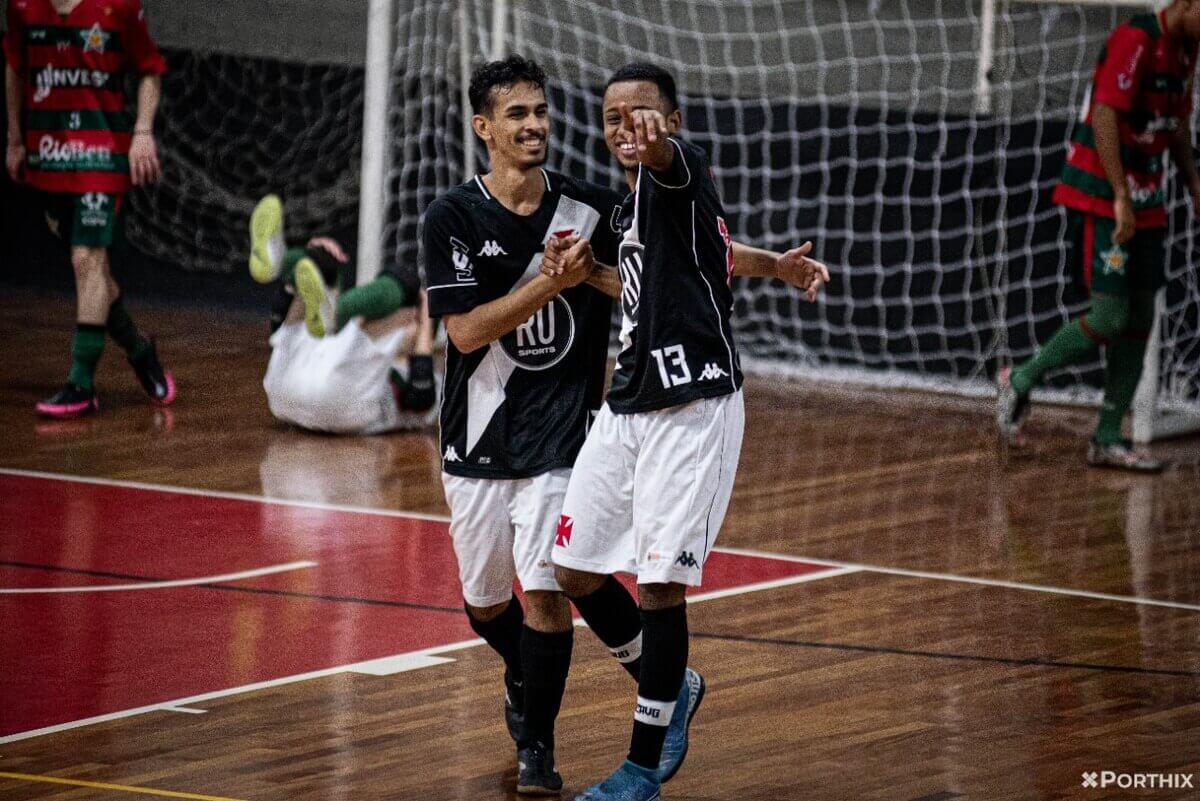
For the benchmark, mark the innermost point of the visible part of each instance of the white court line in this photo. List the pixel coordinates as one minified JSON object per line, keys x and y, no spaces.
{"x":788,"y":581}
{"x":229,"y":496}
{"x":986,"y":582}
{"x":367,"y":510}
{"x":383,"y":666}
{"x":186,"y":710}
{"x":369,"y":667}
{"x":162,"y":585}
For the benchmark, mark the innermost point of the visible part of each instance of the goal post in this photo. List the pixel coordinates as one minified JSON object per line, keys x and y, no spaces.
{"x":917,"y":144}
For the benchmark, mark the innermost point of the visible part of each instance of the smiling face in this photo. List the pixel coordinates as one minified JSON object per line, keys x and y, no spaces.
{"x":516,"y":127}
{"x":637,"y":95}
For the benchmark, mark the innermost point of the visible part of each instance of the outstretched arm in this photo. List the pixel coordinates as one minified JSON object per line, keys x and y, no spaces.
{"x":793,"y":267}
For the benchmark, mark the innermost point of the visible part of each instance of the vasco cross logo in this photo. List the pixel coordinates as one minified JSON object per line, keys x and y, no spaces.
{"x":563,"y":538}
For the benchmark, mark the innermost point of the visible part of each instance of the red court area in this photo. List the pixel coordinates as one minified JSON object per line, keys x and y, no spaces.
{"x":381,"y":585}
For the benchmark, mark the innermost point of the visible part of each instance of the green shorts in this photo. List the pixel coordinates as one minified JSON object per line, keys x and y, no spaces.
{"x":1137,"y":266}
{"x":92,"y":220}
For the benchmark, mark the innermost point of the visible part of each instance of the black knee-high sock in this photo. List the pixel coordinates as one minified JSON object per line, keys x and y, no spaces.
{"x":612,"y":613}
{"x":503,"y":633}
{"x":124,"y":332}
{"x":664,"y":660}
{"x":545,"y":660}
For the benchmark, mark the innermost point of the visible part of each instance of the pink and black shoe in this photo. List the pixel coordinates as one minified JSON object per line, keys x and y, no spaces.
{"x":70,"y":401}
{"x":158,"y":383}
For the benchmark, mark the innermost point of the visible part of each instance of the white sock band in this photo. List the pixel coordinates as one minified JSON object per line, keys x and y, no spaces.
{"x":654,"y":713}
{"x":629,"y":651}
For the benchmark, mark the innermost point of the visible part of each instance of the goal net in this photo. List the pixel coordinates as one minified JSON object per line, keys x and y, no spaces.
{"x":233,"y":127}
{"x":917,"y":143}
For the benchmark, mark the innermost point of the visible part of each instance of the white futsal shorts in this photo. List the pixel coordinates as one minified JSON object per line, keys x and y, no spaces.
{"x":649,"y":491}
{"x":338,"y":383}
{"x":504,"y":528}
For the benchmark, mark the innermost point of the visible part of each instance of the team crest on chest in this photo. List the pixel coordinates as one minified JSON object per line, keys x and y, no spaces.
{"x":95,"y":39}
{"x":1114,"y":260}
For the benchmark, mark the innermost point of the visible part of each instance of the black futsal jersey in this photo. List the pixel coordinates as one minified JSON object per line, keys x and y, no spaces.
{"x":676,"y":263}
{"x":521,"y":405}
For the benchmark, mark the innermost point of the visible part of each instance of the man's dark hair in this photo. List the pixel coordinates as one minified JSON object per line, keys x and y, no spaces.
{"x":504,"y":73}
{"x":644,"y":71}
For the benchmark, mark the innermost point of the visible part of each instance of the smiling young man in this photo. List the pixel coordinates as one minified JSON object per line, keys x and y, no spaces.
{"x":525,"y":368}
{"x":1139,"y":109}
{"x":70,"y":137}
{"x":653,"y":480}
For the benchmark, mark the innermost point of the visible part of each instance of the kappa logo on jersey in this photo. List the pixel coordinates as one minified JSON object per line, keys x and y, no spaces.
{"x":712,"y":371}
{"x":563,"y":538}
{"x":544,"y":339}
{"x":687,"y":559}
{"x":95,"y":39}
{"x":491,"y":248}
{"x":451,"y":455}
{"x":464,"y":271}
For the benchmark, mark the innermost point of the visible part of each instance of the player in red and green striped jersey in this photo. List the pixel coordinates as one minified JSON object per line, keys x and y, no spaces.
{"x":70,"y":136}
{"x":1140,"y":108}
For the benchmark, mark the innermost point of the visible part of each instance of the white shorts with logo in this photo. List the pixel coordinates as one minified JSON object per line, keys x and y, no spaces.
{"x":504,"y":528}
{"x":650,"y":490}
{"x":338,"y":383}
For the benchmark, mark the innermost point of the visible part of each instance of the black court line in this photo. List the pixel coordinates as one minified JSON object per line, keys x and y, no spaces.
{"x":1000,"y":660}
{"x":348,"y":599}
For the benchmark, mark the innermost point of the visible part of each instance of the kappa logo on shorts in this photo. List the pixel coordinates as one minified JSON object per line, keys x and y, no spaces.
{"x":687,"y":559}
{"x":492,"y":248}
{"x":712,"y":371}
{"x":563,"y":538}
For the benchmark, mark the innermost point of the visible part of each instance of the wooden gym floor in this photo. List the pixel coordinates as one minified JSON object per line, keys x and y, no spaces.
{"x":898,"y":609}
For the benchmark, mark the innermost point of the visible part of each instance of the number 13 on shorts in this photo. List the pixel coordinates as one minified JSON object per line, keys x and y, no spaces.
{"x":672,"y":366}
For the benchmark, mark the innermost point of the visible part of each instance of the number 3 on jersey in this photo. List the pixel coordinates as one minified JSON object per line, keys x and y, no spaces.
{"x":672,"y":366}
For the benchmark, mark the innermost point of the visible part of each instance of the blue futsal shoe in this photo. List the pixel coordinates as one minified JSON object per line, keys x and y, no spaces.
{"x":629,"y":782}
{"x":675,"y":747}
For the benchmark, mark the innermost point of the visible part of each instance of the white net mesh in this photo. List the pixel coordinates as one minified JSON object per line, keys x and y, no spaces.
{"x":850,"y":123}
{"x":233,"y":128}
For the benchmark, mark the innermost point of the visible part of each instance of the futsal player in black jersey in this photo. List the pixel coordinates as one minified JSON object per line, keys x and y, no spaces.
{"x":652,"y":482}
{"x":525,"y":369}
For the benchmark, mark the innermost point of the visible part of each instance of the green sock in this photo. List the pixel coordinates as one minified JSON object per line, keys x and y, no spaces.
{"x":379,"y":298}
{"x":291,"y":258}
{"x":85,"y":354}
{"x":1121,"y":375}
{"x":1068,"y":345}
{"x":123,"y":331}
